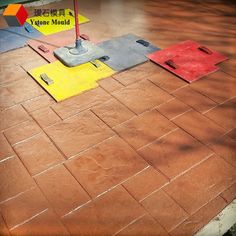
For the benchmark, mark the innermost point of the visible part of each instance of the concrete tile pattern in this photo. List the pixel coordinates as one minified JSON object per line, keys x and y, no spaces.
{"x":22,"y":131}
{"x":110,"y":84}
{"x":226,"y":148}
{"x":228,"y":108}
{"x":14,"y":178}
{"x":38,"y":103}
{"x":166,"y":80}
{"x":113,"y":112}
{"x":17,"y":210}
{"x":45,"y":223}
{"x":148,"y":97}
{"x":102,"y":211}
{"x":63,"y":197}
{"x":175,"y":153}
{"x":10,"y":74}
{"x":198,"y":192}
{"x":19,"y":91}
{"x":140,"y":188}
{"x":229,"y":67}
{"x":12,"y":116}
{"x":145,"y":153}
{"x":232,"y":133}
{"x":38,"y":153}
{"x":6,"y":150}
{"x":105,"y":165}
{"x":229,"y":194}
{"x":45,"y":117}
{"x":160,"y":202}
{"x":194,"y":99}
{"x":221,"y":223}
{"x":146,"y":225}
{"x":191,"y":225}
{"x":3,"y":227}
{"x":144,"y":128}
{"x":76,"y":104}
{"x":173,"y":108}
{"x":199,"y":126}
{"x":78,"y":133}
{"x":211,"y":86}
{"x":136,"y":74}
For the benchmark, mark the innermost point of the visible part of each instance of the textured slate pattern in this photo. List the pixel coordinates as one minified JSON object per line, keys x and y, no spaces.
{"x":16,"y":37}
{"x":124,"y":52}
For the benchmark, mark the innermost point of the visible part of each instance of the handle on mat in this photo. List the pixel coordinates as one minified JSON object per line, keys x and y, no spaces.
{"x":84,"y":36}
{"x":104,"y":58}
{"x":43,"y":48}
{"x":143,"y":42}
{"x":205,"y":49}
{"x":44,"y":77}
{"x":29,"y":28}
{"x":95,"y":63}
{"x":171,"y":64}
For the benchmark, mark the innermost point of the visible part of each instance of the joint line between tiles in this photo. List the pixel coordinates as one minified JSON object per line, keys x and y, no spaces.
{"x":77,"y":181}
{"x":74,"y":156}
{"x":17,"y":195}
{"x":27,"y":139}
{"x":211,"y":199}
{"x":56,"y":114}
{"x":129,"y":145}
{"x":148,"y":144}
{"x":100,"y":195}
{"x":200,"y":141}
{"x":112,"y":95}
{"x":132,"y":222}
{"x":170,"y":180}
{"x":140,"y":204}
{"x":7,"y":158}
{"x":121,"y":183}
{"x":93,"y":146}
{"x":77,"y":208}
{"x":31,"y":218}
{"x":190,"y":109}
{"x":43,"y":131}
{"x":196,"y":90}
{"x":77,"y":112}
{"x":156,"y":190}
{"x":193,"y":166}
{"x":172,"y":92}
{"x":168,"y":101}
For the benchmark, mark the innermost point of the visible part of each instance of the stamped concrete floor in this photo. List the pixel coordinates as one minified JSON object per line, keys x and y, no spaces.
{"x":145,"y":153}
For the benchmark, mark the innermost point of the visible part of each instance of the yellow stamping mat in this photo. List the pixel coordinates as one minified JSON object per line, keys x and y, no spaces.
{"x":53,"y":24}
{"x":70,"y":81}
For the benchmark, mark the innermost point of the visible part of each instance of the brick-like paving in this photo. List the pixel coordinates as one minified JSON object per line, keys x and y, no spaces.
{"x":145,"y":153}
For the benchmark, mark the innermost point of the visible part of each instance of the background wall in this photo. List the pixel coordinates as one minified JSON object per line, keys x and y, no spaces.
{"x":27,"y":3}
{"x":4,"y":3}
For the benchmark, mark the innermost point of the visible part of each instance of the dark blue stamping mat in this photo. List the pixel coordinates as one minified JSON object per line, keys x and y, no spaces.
{"x":16,"y":37}
{"x":126,"y":51}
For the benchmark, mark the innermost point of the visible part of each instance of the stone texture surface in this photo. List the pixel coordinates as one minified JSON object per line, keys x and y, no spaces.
{"x":78,"y":133}
{"x":105,"y":166}
{"x":159,"y":205}
{"x":62,"y":191}
{"x":144,"y":129}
